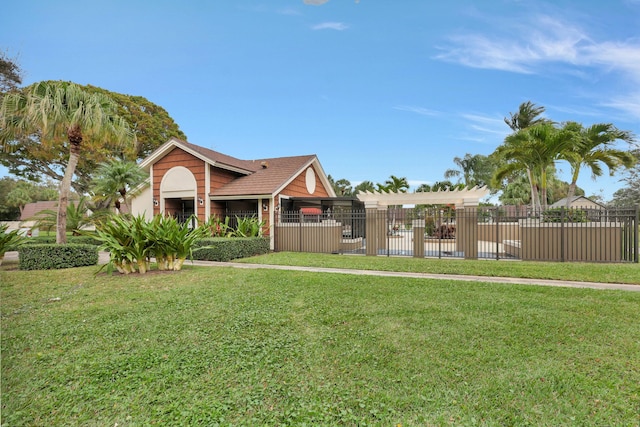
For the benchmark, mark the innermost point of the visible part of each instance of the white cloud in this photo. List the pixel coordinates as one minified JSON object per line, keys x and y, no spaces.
{"x":533,"y":46}
{"x":289,"y":11}
{"x":338,"y":26}
{"x":315,"y":2}
{"x":417,"y":110}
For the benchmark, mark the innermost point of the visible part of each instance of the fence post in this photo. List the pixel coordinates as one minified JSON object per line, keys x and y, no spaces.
{"x":636,"y":243}
{"x":417,"y":225}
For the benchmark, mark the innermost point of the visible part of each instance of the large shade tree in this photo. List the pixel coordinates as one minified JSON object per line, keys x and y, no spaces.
{"x":57,"y":112}
{"x":150,"y":123}
{"x":594,"y":148}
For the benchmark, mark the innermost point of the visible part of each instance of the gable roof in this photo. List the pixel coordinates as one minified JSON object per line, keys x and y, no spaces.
{"x":32,"y":209}
{"x":210,"y":156}
{"x":267,"y":180}
{"x":261,"y":176}
{"x":563,"y":202}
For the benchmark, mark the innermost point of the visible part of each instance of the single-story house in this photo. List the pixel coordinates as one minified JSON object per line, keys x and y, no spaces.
{"x":578,"y":202}
{"x":186,"y":179}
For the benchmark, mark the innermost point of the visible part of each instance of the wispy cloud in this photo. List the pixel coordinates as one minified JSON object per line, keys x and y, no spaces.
{"x":338,"y":26}
{"x":417,"y":110}
{"x":486,"y":124}
{"x":289,"y":11}
{"x":543,"y":42}
{"x":315,"y":2}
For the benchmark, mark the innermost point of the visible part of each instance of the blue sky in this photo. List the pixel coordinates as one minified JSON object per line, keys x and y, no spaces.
{"x":374,"y":88}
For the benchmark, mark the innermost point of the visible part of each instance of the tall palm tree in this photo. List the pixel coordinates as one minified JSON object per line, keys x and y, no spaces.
{"x":465,"y":168}
{"x":528,"y":115}
{"x":593,"y":148}
{"x":535,"y":150}
{"x":474,"y":169}
{"x":55,"y":110}
{"x":115,"y":180}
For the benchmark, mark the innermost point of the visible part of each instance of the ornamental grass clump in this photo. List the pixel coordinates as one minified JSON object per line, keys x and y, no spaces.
{"x":127,"y":239}
{"x":173,"y":241}
{"x":133,"y":241}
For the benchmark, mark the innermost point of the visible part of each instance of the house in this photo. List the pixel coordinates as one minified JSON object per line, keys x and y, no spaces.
{"x":186,"y":179}
{"x":30,"y":210}
{"x":578,"y":202}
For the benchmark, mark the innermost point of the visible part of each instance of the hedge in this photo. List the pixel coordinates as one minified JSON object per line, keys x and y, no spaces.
{"x":52,"y":256}
{"x":81,"y":240}
{"x":226,"y":249}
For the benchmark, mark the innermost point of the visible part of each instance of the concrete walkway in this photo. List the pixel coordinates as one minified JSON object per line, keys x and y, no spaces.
{"x":104,"y":258}
{"x":464,"y":278}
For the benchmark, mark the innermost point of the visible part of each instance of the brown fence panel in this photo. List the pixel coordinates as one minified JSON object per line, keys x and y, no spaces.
{"x":608,"y":235}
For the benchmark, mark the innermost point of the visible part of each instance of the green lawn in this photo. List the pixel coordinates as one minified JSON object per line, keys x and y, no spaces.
{"x":209,"y":346}
{"x":584,"y":272}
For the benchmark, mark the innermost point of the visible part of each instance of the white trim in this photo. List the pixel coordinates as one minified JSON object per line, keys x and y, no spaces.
{"x":164,"y":149}
{"x":319,"y":174}
{"x":461,"y":198}
{"x":244,"y":197}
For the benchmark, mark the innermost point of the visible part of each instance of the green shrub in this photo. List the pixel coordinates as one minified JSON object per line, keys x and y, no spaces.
{"x":40,"y":240}
{"x":564,"y":215}
{"x":52,"y":256}
{"x":221,"y":249}
{"x":84,"y":240}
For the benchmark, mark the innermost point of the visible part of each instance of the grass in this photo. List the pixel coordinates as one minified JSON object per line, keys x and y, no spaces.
{"x":584,"y":272}
{"x":223,"y":346}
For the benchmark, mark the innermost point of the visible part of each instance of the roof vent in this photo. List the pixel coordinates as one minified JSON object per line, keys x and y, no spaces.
{"x":264,"y":165}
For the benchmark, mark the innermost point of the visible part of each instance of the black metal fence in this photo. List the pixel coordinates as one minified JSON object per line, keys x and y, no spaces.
{"x":586,"y":235}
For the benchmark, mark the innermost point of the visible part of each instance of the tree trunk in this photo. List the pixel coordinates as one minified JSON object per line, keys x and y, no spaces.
{"x":535,"y":199}
{"x":75,"y":139}
{"x":570,"y":193}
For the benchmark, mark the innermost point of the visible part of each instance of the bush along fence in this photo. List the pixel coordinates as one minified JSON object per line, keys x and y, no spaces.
{"x":586,"y":235}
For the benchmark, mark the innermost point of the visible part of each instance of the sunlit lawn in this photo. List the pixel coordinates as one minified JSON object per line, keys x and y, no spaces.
{"x":215,"y":345}
{"x":572,"y":271}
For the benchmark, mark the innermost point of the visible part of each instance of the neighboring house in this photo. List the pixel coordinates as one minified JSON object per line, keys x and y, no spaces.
{"x":186,"y":179}
{"x":578,"y":202}
{"x":32,"y":209}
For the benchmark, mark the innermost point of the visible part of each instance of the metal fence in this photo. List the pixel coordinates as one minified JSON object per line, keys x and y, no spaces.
{"x":587,"y":235}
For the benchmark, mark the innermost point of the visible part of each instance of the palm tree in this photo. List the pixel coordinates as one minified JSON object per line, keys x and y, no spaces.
{"x":528,"y":115}
{"x":364,"y":186}
{"x":593,"y":148}
{"x":535,"y":150}
{"x":475,"y":170}
{"x":77,"y":217}
{"x":55,"y":110}
{"x":342,"y":187}
{"x":115,"y":180}
{"x":396,"y":185}
{"x":423,"y":188}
